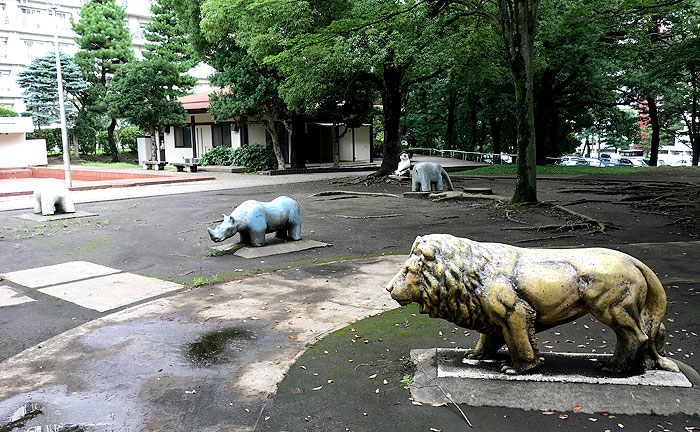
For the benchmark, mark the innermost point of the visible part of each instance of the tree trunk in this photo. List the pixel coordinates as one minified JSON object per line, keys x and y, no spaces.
{"x":154,"y":143}
{"x":391,"y":100}
{"x":655,"y":130}
{"x":112,"y":143}
{"x":297,"y":158}
{"x":474,"y":126}
{"x":693,"y":130}
{"x":519,"y":34}
{"x":76,"y":146}
{"x":272,"y":130}
{"x":336,"y":146}
{"x":450,"y":130}
{"x":496,"y":125}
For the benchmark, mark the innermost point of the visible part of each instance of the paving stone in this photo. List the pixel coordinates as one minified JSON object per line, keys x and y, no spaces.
{"x":57,"y":274}
{"x":110,"y":292}
{"x":8,"y":297}
{"x":36,"y":217}
{"x":278,"y":248}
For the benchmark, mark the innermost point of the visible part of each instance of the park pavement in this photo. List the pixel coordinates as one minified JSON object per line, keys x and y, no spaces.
{"x":193,"y":359}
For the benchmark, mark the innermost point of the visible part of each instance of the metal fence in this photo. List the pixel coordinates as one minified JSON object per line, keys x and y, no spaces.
{"x":491,"y":158}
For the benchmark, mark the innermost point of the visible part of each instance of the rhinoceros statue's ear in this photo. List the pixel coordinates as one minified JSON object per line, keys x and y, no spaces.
{"x":225,"y":216}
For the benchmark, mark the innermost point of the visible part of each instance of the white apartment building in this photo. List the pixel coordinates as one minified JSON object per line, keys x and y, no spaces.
{"x":27,"y":29}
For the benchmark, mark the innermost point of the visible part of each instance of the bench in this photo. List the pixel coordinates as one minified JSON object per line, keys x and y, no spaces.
{"x":149,"y":164}
{"x":180,"y":166}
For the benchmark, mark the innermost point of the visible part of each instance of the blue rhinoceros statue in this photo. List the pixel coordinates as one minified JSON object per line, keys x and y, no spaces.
{"x":253,"y":219}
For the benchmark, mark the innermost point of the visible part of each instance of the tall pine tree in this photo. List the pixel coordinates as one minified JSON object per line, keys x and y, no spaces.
{"x":105,"y":45}
{"x":168,"y":41}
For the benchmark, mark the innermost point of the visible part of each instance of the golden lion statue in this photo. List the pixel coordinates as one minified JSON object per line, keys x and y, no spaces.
{"x":508,"y":294}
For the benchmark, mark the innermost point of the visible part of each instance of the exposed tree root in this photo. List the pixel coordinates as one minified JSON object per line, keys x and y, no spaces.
{"x":545,"y":238}
{"x":340,"y":192}
{"x":370,"y":216}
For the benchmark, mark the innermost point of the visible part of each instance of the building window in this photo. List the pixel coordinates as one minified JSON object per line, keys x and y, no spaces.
{"x":4,"y":19}
{"x":63,"y":21}
{"x":31,"y":17}
{"x":35,"y":49}
{"x":221,"y":135}
{"x":5,"y":81}
{"x":183,"y":137}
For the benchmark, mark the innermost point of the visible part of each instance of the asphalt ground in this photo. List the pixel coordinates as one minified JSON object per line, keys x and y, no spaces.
{"x":165,"y":237}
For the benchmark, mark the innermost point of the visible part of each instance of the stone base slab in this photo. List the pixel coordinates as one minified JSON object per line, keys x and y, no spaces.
{"x":564,"y":381}
{"x":36,"y":217}
{"x":279,"y":248}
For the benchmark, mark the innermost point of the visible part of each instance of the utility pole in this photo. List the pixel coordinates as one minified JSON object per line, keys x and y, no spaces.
{"x":62,"y":109}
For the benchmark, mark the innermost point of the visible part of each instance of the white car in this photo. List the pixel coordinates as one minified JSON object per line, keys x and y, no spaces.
{"x":592,"y":161}
{"x":569,"y":160}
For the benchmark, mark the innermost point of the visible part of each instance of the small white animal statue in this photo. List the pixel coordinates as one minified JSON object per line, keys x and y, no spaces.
{"x":428,"y":176}
{"x":404,"y":165}
{"x":52,"y":196}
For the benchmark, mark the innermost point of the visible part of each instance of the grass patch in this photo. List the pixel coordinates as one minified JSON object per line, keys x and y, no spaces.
{"x":241,"y":273}
{"x":589,"y":170}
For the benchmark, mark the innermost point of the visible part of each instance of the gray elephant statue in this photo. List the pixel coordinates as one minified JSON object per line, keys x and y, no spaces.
{"x":428,"y":176}
{"x":253,"y":219}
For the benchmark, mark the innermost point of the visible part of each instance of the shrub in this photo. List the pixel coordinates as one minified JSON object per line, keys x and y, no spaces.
{"x":255,"y":157}
{"x":6,"y":112}
{"x":219,"y":155}
{"x":128,"y":135}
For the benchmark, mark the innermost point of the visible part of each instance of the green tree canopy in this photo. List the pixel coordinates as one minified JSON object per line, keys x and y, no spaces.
{"x":40,"y":89}
{"x":105,"y":45}
{"x":142,"y":91}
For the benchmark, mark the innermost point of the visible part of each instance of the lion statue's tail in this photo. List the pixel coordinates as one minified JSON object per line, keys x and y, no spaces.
{"x":652,"y":317}
{"x":446,"y":179}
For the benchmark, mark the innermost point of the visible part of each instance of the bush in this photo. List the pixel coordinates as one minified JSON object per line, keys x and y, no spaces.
{"x":128,"y":135}
{"x":255,"y":157}
{"x":6,"y":112}
{"x":219,"y":155}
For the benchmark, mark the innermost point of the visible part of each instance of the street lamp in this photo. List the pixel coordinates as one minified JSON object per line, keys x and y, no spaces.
{"x":61,"y":107}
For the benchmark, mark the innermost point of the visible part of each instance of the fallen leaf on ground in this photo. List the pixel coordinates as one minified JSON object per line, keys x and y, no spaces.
{"x":317,"y":388}
{"x":191,"y":391}
{"x":547,"y":412}
{"x":576,"y":407}
{"x":416,"y":403}
{"x":373,"y":376}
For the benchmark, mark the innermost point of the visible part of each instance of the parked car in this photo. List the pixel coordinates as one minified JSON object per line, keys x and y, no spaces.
{"x":569,"y":160}
{"x":633,"y":162}
{"x":607,"y":162}
{"x":590,"y":161}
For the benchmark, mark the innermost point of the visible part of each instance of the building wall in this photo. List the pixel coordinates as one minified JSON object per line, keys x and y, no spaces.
{"x":203,"y":137}
{"x":256,"y":134}
{"x":362,"y":147}
{"x":17,"y":152}
{"x":27,"y":30}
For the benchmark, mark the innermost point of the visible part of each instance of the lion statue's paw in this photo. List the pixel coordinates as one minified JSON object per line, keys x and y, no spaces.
{"x":478,"y":355}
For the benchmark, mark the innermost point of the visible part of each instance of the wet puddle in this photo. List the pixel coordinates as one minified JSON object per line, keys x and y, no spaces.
{"x":219,"y":347}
